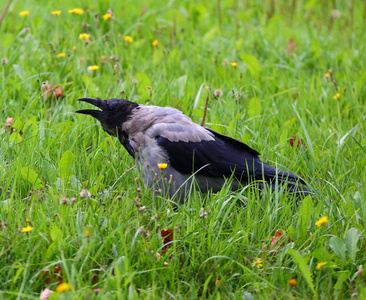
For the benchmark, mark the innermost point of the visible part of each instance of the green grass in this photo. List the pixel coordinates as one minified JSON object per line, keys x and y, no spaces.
{"x":270,"y":97}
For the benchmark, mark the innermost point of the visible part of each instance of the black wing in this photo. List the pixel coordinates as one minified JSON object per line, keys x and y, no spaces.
{"x":235,"y":142}
{"x":222,"y":157}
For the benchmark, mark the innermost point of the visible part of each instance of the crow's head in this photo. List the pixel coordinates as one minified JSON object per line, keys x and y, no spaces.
{"x":113,"y":113}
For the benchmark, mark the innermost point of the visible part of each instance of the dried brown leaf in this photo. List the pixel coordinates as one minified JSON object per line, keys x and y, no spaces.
{"x":299,"y":141}
{"x":168,"y":236}
{"x":276,"y":238}
{"x":291,"y":46}
{"x":50,"y":277}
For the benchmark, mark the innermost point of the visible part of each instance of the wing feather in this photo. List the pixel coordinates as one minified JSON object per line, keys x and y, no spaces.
{"x":220,"y":156}
{"x":217,"y":157}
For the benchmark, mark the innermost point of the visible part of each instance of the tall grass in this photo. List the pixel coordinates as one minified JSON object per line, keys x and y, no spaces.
{"x":81,"y":193}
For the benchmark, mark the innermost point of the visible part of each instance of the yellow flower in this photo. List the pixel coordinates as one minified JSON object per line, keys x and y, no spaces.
{"x":107,"y":16}
{"x":84,"y":36}
{"x":128,"y":39}
{"x":93,"y":68}
{"x":336,"y":96}
{"x":76,"y":11}
{"x":326,"y":75}
{"x":330,"y":72}
{"x":292,"y":282}
{"x":24,"y":13}
{"x":321,"y":221}
{"x":87,"y":233}
{"x":155,"y":43}
{"x":63,"y":287}
{"x":162,"y":166}
{"x":60,"y":55}
{"x":56,"y":12}
{"x":234,"y":64}
{"x":257,"y":263}
{"x":74,"y":48}
{"x":27,"y":229}
{"x":320,"y":265}
{"x":27,"y":220}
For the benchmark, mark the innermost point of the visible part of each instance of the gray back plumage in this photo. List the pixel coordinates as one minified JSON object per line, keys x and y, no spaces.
{"x":167,"y":122}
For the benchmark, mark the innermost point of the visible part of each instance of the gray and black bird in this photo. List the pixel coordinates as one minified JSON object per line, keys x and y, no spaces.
{"x":155,"y":135}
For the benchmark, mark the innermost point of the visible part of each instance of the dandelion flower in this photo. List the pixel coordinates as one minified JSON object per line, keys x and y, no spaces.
{"x":93,"y":68}
{"x":234,"y":64}
{"x":24,"y":13}
{"x":27,"y":229}
{"x":107,"y":16}
{"x":330,"y":72}
{"x":56,"y":12}
{"x":76,"y":11}
{"x":128,"y":39}
{"x":63,"y":287}
{"x":84,"y":36}
{"x":257,"y":263}
{"x":320,"y":265}
{"x":326,"y":75}
{"x":217,"y":93}
{"x":155,"y":43}
{"x":321,"y":221}
{"x":336,"y":96}
{"x":60,"y":55}
{"x":27,"y":220}
{"x":74,"y":48}
{"x":292,"y":282}
{"x":162,"y":166}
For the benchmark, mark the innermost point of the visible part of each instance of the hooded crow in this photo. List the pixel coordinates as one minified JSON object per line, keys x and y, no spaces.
{"x":169,"y":148}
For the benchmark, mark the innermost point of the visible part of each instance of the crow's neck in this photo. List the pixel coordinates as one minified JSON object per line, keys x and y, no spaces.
{"x":124,"y":139}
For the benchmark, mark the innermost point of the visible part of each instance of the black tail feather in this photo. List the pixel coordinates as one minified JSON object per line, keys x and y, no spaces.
{"x":293,"y":184}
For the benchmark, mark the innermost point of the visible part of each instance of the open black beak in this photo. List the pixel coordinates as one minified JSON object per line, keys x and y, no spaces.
{"x":94,"y":113}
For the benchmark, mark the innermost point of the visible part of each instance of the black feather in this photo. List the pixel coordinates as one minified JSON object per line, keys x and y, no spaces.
{"x":224,"y":156}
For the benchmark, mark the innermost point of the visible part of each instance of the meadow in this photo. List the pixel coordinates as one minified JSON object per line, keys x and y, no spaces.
{"x":285,"y":77}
